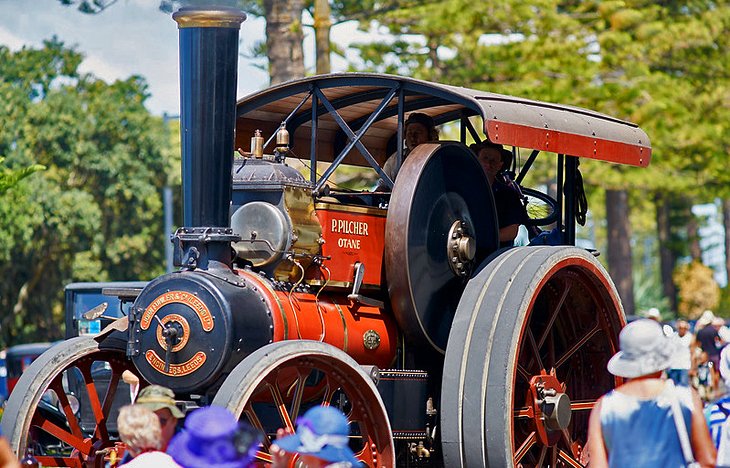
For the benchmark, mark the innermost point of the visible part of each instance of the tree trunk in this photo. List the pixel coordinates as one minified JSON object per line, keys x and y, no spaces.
{"x":619,"y":246}
{"x":693,"y":235}
{"x":667,"y":258}
{"x":284,"y":39}
{"x":322,"y":26}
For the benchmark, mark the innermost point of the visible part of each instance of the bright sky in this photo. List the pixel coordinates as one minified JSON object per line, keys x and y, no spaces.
{"x":134,"y":37}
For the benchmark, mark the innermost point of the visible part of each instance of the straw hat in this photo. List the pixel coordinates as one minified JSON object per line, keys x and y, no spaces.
{"x":644,"y":350}
{"x":156,"y":397}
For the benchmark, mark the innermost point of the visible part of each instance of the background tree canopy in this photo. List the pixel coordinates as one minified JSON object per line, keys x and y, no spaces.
{"x":95,"y":213}
{"x":663,"y":65}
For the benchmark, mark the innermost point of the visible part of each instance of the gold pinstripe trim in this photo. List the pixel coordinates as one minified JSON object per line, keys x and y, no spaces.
{"x":344,"y":325}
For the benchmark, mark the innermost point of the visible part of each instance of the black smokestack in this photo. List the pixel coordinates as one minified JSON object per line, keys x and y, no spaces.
{"x":208,"y":76}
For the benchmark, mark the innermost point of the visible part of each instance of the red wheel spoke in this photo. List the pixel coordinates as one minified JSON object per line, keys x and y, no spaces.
{"x":297,"y":397}
{"x":525,"y":447}
{"x":82,"y":445}
{"x":535,"y":349}
{"x":329,"y":392}
{"x":568,"y":439}
{"x":58,"y":461}
{"x":567,"y":458}
{"x":596,"y":328}
{"x":281,"y":407}
{"x":522,"y":372}
{"x":582,"y":405}
{"x":525,"y":412}
{"x":554,"y":315}
{"x":256,"y":422}
{"x":73,"y":423}
{"x":554,"y":456}
{"x":95,"y":403}
{"x":264,"y":456}
{"x":110,"y":393}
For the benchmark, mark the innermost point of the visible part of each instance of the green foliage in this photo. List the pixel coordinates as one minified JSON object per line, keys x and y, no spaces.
{"x":723,"y":309}
{"x":9,"y":178}
{"x":95,"y":213}
{"x":663,"y":65}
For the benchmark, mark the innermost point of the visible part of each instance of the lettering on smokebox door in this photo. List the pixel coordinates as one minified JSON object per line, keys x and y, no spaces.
{"x":176,"y":370}
{"x":356,"y":228}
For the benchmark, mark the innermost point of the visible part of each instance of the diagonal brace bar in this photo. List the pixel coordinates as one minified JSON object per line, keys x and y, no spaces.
{"x":465,"y":122}
{"x":354,"y":137}
{"x":286,"y":120}
{"x":526,"y":166}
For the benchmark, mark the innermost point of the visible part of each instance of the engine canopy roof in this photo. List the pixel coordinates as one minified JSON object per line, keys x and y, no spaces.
{"x":360,"y":97}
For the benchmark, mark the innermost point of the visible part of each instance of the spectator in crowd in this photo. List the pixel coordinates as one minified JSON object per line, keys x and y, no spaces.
{"x":213,"y":438}
{"x":140,"y":430}
{"x":321,"y":440}
{"x":708,"y":339}
{"x":636,"y":424}
{"x":682,"y":360}
{"x":725,"y":367}
{"x":129,"y":378}
{"x":654,"y":314}
{"x":705,"y":319}
{"x":7,"y":459}
{"x":161,"y":400}
{"x":702,"y":380}
{"x":419,"y":128}
{"x":716,"y":415}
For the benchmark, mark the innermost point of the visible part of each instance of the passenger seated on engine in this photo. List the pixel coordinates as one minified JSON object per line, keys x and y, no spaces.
{"x":419,"y":128}
{"x":510,"y":210}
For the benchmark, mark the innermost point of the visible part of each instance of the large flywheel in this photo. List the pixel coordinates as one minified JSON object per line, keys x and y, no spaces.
{"x":279,"y":382}
{"x":65,"y":404}
{"x":526,"y":359}
{"x":441,"y":224}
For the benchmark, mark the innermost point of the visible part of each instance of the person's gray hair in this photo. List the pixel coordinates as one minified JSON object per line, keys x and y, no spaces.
{"x":139,"y":428}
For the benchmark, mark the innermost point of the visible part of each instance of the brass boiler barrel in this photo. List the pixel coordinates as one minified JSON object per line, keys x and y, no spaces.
{"x":364,"y":332}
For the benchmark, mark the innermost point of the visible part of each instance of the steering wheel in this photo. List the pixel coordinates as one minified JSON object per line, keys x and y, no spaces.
{"x":541,"y":207}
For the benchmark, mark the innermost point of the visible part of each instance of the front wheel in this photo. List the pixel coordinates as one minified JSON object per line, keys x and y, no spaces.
{"x":275,"y":384}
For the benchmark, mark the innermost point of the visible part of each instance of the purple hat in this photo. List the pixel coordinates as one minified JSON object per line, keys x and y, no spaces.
{"x":322,"y":432}
{"x":213,"y":438}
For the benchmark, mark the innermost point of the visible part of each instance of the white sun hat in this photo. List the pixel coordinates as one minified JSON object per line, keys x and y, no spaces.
{"x":644,"y":350}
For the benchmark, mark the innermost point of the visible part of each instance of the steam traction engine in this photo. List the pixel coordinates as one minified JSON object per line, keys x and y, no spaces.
{"x":397,"y":307}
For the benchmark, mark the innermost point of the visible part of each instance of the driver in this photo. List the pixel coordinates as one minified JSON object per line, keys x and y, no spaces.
{"x":419,"y":128}
{"x":510,"y":210}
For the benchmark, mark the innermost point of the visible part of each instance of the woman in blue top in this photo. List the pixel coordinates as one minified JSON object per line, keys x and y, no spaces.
{"x":633,"y":425}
